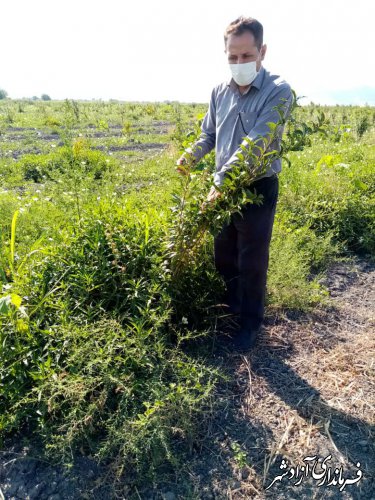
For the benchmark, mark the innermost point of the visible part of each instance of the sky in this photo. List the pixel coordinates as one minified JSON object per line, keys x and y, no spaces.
{"x":157,"y":50}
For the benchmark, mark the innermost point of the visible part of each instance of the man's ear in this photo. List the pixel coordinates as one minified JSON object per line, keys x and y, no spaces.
{"x":263,"y":51}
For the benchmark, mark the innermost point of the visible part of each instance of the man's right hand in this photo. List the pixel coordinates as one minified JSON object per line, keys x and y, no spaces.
{"x":182,"y":161}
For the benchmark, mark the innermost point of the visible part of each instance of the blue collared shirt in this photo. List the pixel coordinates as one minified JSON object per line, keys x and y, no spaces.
{"x":231,"y":116}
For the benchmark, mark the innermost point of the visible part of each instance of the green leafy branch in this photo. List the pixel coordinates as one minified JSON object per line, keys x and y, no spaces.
{"x":190,"y":224}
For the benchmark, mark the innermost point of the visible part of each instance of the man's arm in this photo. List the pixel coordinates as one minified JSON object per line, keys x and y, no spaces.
{"x":282,"y":99}
{"x":207,"y":139}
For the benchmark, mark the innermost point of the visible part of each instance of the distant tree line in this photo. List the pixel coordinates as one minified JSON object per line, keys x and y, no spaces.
{"x":43,"y":97}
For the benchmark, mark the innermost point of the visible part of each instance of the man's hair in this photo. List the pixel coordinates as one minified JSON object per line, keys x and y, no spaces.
{"x":242,"y":24}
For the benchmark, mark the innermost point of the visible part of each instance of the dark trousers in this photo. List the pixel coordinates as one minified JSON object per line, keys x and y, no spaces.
{"x":241,"y":253}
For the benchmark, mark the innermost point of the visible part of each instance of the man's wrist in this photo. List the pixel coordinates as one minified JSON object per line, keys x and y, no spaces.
{"x":218,"y":179}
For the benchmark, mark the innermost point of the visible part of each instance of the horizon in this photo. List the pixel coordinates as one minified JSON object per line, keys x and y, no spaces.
{"x":166,"y":101}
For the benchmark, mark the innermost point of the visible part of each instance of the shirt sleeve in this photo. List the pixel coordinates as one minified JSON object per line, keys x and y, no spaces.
{"x":207,"y":139}
{"x":282,"y":99}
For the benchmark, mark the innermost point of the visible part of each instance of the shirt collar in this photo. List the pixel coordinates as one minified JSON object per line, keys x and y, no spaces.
{"x":257,"y":83}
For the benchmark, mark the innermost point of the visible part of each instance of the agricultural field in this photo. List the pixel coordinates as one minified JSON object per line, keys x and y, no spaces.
{"x":113,"y":383}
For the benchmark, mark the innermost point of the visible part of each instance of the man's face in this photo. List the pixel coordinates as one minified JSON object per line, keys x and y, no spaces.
{"x":242,"y":49}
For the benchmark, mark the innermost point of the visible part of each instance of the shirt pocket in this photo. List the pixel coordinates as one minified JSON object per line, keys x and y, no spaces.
{"x":248,"y":119}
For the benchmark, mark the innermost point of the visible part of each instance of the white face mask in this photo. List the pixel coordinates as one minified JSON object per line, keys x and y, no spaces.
{"x":244,"y":73}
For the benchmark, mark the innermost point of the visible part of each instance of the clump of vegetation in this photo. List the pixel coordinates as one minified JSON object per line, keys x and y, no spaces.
{"x":67,"y":159}
{"x":90,"y":358}
{"x":335,"y":195}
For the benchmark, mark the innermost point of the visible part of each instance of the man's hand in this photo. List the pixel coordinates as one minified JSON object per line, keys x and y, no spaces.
{"x":185,"y":162}
{"x":181,"y":162}
{"x":212,"y":196}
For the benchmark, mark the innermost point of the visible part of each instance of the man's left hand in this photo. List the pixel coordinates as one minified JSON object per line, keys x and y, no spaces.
{"x":212,"y":196}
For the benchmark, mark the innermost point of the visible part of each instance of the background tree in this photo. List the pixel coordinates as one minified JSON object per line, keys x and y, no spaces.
{"x":3,"y":94}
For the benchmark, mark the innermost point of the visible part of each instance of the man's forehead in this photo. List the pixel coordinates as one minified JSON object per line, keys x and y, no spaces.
{"x":241,"y":43}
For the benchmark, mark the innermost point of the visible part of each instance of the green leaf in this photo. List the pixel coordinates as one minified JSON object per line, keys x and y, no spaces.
{"x":360,"y":185}
{"x":5,"y":304}
{"x":16,"y":300}
{"x":13,"y":235}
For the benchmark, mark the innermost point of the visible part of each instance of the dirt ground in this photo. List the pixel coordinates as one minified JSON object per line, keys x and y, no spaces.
{"x":307,"y":390}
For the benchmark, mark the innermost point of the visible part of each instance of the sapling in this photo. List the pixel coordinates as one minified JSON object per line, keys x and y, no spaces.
{"x":193,"y":216}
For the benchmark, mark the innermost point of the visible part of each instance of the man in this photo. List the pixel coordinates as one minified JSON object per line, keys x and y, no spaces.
{"x":242,"y":107}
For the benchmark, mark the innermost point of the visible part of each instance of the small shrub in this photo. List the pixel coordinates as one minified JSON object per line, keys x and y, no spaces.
{"x":76,"y":157}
